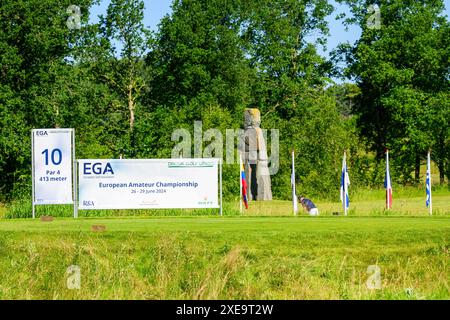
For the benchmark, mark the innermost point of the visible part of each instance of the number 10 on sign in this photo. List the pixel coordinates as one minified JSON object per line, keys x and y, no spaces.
{"x":53,"y":153}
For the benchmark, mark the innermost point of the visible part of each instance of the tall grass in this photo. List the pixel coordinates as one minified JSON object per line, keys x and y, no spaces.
{"x":235,"y":258}
{"x":398,"y":191}
{"x":23,"y":209}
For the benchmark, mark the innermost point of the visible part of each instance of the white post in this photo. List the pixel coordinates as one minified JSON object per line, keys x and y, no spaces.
{"x":345,"y":183}
{"x":32,"y":173}
{"x":387,"y":186}
{"x":75,"y":181}
{"x":220,"y":170}
{"x":345,"y":204}
{"x":429,"y":179}
{"x":294,"y":194}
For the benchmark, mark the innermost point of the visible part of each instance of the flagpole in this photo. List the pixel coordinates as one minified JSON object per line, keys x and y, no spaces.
{"x":220,"y":177}
{"x":387,"y":186}
{"x":293,"y":184}
{"x":429,"y":180}
{"x":345,"y":184}
{"x":240,"y":183}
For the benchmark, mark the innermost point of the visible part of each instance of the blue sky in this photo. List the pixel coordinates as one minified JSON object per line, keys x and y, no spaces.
{"x":156,"y":9}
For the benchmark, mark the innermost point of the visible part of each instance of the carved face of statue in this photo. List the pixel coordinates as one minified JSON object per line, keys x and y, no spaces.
{"x":252,"y":118}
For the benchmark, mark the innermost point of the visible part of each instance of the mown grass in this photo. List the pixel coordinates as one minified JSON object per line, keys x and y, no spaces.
{"x":226,"y":258}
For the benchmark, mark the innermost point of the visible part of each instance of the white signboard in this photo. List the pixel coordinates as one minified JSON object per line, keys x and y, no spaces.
{"x":148,"y":183}
{"x":52,"y":166}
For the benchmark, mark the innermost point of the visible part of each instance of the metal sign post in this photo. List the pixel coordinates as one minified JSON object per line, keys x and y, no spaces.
{"x":32,"y":173}
{"x":75,"y":172}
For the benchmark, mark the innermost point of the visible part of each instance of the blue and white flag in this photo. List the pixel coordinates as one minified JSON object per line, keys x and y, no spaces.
{"x":345,"y":182}
{"x":428,"y":183}
{"x":387,"y":183}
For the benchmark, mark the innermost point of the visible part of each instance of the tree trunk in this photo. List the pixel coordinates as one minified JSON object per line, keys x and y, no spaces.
{"x":131,"y":106}
{"x":417,"y":169}
{"x":56,"y":108}
{"x":441,"y":173}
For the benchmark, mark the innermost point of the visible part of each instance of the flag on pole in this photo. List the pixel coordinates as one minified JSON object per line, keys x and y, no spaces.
{"x":345,"y":182}
{"x":294,"y":193}
{"x":429,"y":202}
{"x":387,"y":183}
{"x":240,"y":184}
{"x":243,"y":184}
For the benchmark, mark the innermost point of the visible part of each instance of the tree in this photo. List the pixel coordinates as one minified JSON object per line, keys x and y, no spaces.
{"x":346,"y":95}
{"x":290,"y":90}
{"x":280,"y":48}
{"x":34,"y":60}
{"x":198,"y":58}
{"x":123,"y":42}
{"x":212,"y":59}
{"x":402,"y":69}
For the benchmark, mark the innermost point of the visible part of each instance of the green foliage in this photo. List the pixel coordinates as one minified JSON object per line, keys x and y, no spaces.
{"x":125,"y":90}
{"x":319,"y":136}
{"x":402,"y":72}
{"x":35,"y":84}
{"x":211,"y":64}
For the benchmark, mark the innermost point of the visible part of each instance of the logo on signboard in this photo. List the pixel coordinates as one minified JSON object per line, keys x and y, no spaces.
{"x":191,"y":164}
{"x":97,"y":168}
{"x":41,"y":133}
{"x":205,"y":201}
